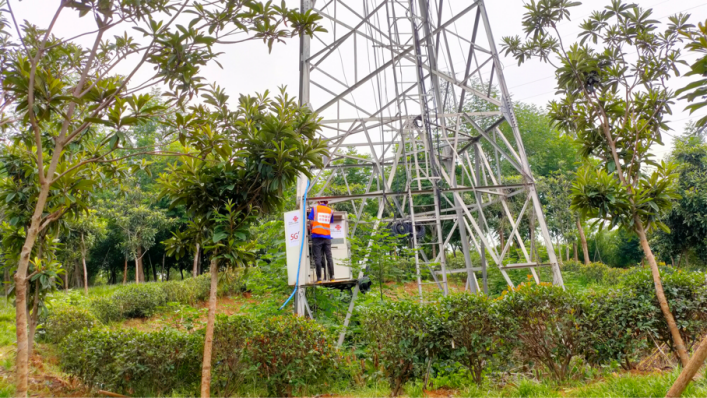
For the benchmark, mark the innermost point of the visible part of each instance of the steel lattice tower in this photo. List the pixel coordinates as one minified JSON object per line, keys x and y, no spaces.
{"x":417,"y":85}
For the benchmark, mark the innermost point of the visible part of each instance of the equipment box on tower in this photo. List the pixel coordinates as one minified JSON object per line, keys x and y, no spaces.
{"x":296,"y":230}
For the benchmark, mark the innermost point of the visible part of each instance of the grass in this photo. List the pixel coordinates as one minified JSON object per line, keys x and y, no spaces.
{"x":7,"y":323}
{"x":611,"y":386}
{"x":632,"y":385}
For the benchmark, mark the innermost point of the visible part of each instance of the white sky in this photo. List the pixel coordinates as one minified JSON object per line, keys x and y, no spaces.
{"x":248,"y":68}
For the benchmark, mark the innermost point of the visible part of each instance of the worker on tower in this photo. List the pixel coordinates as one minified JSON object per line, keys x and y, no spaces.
{"x":321,"y":216}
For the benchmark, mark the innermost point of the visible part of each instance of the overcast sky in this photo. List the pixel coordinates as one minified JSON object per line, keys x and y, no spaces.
{"x":248,"y":68}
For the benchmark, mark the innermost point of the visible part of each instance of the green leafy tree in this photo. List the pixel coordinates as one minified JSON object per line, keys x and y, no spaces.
{"x":696,"y":91}
{"x":86,"y":230}
{"x":687,"y":219}
{"x":247,"y":158}
{"x":616,"y":107}
{"x":139,"y":223}
{"x":59,"y":96}
{"x":555,"y":191}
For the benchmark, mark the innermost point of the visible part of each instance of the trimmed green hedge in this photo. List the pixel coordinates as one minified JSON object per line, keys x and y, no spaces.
{"x":65,"y":320}
{"x":401,"y":340}
{"x":134,"y":362}
{"x":145,"y":299}
{"x":282,"y":354}
{"x":533,"y":324}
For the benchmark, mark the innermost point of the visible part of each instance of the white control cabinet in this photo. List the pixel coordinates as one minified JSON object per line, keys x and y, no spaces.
{"x":295,"y":232}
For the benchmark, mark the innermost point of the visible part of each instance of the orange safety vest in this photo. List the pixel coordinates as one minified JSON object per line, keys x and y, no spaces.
{"x":322,"y":220}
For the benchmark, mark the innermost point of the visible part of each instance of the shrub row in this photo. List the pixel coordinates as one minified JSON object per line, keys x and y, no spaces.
{"x":143,"y":300}
{"x":281,"y":353}
{"x":70,"y":313}
{"x":597,"y":273}
{"x":531,"y":324}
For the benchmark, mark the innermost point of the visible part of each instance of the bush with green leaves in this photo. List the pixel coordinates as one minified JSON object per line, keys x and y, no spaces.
{"x":291,"y":352}
{"x":144,"y":300}
{"x":105,"y":309}
{"x":139,"y":301}
{"x":188,"y":291}
{"x":134,"y":362}
{"x":474,"y":328}
{"x":64,"y":320}
{"x":595,"y":273}
{"x":544,"y":322}
{"x":615,"y":325}
{"x":402,"y":336}
{"x":228,"y":359}
{"x":686,"y":293}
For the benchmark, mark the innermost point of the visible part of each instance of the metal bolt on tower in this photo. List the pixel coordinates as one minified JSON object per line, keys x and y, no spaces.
{"x":416,"y":86}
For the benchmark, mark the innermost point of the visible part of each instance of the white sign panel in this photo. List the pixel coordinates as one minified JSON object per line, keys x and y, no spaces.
{"x":293,"y":228}
{"x":294,"y":225}
{"x":337,"y":229}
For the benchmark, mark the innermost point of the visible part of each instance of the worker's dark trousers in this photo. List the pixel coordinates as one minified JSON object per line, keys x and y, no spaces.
{"x":319,"y":244}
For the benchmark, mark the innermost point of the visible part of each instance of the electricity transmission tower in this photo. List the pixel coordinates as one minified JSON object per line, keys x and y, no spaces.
{"x":416,"y":86}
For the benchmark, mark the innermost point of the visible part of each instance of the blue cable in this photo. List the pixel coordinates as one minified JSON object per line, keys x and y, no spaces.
{"x":304,"y":226}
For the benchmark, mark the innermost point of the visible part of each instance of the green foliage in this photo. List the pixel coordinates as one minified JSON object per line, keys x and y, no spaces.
{"x":145,"y":299}
{"x":696,"y":90}
{"x":134,"y":362}
{"x":554,"y":191}
{"x":228,"y":355}
{"x":106,"y":310}
{"x":188,"y":291}
{"x":63,"y":320}
{"x":139,"y":301}
{"x":7,"y":323}
{"x":632,"y":385}
{"x":402,"y":336}
{"x":262,"y":146}
{"x":615,"y":325}
{"x":291,"y":352}
{"x":595,"y":273}
{"x":473,"y":327}
{"x":544,"y":321}
{"x":615,"y":113}
{"x":686,"y":293}
{"x":687,"y":219}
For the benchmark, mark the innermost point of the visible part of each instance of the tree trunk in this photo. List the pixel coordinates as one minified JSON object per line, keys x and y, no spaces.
{"x":503,"y":240}
{"x":208,"y":339}
{"x":195,"y":273}
{"x":163,"y":274}
{"x":33,"y":320}
{"x":22,"y":359}
{"x":583,"y":240}
{"x":567,"y":252}
{"x":531,"y":227}
{"x":6,"y":278}
{"x":85,"y":270}
{"x":154,"y":269}
{"x":574,"y":248}
{"x":199,"y":267}
{"x":698,"y":358}
{"x":181,"y":272}
{"x":137,"y":277}
{"x":139,"y":273}
{"x":682,"y":255}
{"x":559,"y":253}
{"x":672,"y":326}
{"x":125,"y":271}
